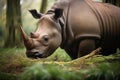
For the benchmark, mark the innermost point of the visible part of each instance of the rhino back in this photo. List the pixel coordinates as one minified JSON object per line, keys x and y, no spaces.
{"x":83,"y":21}
{"x":102,"y":19}
{"x":110,"y":25}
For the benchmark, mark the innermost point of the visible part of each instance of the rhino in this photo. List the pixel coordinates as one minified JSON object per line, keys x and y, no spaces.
{"x":77,"y":26}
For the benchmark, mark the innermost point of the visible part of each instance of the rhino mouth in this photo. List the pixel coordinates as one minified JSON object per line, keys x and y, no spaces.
{"x":35,"y":55}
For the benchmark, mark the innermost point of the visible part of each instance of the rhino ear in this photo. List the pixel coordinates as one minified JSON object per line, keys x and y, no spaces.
{"x":35,"y":14}
{"x":58,"y":13}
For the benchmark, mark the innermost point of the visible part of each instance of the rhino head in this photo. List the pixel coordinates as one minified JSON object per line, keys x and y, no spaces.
{"x":47,"y":37}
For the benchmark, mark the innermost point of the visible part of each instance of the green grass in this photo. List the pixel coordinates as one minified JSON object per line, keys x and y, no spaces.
{"x":15,"y":58}
{"x":104,"y":71}
{"x":14,"y":65}
{"x":59,"y":55}
{"x":48,"y":72}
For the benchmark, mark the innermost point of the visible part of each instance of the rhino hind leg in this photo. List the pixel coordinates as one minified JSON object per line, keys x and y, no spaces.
{"x":86,"y":46}
{"x":109,"y":48}
{"x":108,"y":51}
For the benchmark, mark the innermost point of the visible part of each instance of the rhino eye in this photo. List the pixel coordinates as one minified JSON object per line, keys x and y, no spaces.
{"x":46,"y":38}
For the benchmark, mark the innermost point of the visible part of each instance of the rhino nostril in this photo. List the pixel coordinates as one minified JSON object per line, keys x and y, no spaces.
{"x":38,"y":54}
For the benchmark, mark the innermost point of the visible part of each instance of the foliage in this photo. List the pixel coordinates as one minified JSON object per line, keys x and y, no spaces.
{"x":7,"y":76}
{"x":102,"y":71}
{"x":105,"y":71}
{"x":15,"y":65}
{"x":59,"y":55}
{"x":15,"y":58}
{"x":48,"y":72}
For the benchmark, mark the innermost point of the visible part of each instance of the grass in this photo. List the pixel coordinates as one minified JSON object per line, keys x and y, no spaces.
{"x":11,"y":59}
{"x":15,"y":58}
{"x":14,"y":65}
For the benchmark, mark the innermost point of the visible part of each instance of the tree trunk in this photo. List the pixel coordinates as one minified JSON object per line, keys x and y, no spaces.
{"x":43,"y":6}
{"x":13,"y":19}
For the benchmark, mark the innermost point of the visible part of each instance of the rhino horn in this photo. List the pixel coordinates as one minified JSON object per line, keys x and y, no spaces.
{"x":24,"y":35}
{"x":27,"y":39}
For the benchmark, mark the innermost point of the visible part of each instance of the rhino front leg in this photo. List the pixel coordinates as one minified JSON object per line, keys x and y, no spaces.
{"x":86,"y":46}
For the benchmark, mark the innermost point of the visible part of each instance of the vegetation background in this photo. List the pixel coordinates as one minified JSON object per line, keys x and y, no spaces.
{"x":15,"y":65}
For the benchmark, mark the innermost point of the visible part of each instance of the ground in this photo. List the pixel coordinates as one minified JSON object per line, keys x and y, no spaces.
{"x":15,"y":65}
